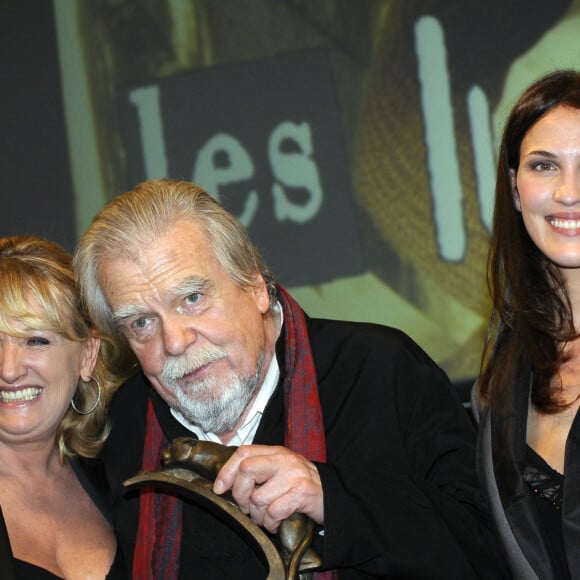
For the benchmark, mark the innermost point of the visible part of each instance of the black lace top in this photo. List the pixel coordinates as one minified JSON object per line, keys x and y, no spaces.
{"x":546,"y":485}
{"x":545,"y":482}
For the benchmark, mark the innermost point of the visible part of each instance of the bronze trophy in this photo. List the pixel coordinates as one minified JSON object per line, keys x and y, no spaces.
{"x":189,"y":468}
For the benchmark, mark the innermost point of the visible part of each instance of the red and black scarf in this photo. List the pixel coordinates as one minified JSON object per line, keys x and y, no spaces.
{"x":158,"y":543}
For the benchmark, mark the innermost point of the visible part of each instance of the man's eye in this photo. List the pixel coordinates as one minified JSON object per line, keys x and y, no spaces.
{"x":140,"y":323}
{"x":141,"y":328}
{"x":193,"y":298}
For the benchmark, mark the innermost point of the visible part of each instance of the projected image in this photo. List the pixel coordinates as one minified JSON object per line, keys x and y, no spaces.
{"x":355,"y":140}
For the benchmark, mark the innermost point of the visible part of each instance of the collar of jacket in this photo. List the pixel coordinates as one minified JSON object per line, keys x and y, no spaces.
{"x":506,"y":422}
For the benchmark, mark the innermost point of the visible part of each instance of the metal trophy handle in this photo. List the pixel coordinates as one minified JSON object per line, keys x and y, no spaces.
{"x":191,"y":466}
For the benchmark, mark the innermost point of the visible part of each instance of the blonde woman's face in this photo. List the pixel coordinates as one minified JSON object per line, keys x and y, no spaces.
{"x":39,"y":372}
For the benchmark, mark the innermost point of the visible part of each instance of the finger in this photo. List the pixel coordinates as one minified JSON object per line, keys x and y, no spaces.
{"x":242,"y":490}
{"x":257,"y":512}
{"x":227,"y":474}
{"x":279,"y":510}
{"x":297,"y":491}
{"x":252,"y":473}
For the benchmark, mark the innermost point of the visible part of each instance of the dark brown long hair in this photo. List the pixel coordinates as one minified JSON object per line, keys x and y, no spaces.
{"x":532,"y":314}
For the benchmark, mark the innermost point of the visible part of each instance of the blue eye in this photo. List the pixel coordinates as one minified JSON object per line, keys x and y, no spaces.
{"x":140,"y":323}
{"x":193,"y":298}
{"x":141,"y":329}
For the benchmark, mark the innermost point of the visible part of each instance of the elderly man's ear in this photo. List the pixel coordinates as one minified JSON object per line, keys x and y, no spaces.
{"x":261,"y":295}
{"x":514,"y":188}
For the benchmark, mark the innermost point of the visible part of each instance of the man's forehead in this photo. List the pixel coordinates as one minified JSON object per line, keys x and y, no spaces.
{"x":112,"y":271}
{"x":127,"y":286}
{"x":121,"y":280}
{"x":162,"y":265}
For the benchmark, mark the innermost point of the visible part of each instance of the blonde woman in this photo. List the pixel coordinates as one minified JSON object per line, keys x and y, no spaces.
{"x":54,"y":385}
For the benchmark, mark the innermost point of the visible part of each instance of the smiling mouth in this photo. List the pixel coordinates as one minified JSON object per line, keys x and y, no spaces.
{"x":19,"y":395}
{"x":564,"y":224}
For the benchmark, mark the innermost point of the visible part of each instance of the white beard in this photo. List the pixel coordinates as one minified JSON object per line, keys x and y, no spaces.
{"x":214,"y":403}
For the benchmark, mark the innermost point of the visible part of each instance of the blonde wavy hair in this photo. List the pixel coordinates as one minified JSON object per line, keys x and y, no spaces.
{"x":36,"y":272}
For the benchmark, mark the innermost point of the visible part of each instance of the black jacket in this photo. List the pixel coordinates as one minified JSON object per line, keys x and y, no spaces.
{"x":400,"y":490}
{"x":501,"y":454}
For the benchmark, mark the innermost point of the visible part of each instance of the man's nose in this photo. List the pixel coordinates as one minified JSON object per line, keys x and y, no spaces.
{"x":178,"y":335}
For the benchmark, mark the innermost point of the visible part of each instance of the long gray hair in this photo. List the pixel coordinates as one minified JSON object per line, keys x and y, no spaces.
{"x":135,"y":219}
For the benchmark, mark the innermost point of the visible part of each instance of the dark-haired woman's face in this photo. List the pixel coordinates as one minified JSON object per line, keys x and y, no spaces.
{"x":546,"y":186}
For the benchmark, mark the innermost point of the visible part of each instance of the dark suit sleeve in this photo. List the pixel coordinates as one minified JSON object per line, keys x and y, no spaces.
{"x":400,"y":488}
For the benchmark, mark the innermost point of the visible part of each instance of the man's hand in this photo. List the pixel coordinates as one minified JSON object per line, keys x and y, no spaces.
{"x":271,"y":483}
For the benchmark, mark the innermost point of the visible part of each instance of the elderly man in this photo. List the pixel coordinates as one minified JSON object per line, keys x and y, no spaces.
{"x":351,"y":424}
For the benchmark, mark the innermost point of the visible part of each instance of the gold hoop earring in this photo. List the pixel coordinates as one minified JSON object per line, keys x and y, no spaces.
{"x":95,"y":404}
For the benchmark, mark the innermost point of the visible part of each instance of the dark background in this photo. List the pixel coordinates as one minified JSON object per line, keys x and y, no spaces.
{"x":374,"y":159}
{"x":35,"y":186}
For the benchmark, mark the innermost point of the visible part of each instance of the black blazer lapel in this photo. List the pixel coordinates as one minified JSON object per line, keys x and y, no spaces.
{"x":7,"y":570}
{"x":571,"y":506}
{"x":508,"y":420}
{"x":518,"y":563}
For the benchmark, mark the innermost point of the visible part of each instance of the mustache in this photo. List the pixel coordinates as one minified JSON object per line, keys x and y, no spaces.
{"x":177,"y":367}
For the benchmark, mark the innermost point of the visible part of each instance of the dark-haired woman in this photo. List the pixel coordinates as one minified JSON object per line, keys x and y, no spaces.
{"x":529,"y":456}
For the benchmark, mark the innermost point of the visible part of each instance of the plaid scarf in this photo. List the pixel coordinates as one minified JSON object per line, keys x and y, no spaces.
{"x":158,"y":542}
{"x":157,"y":548}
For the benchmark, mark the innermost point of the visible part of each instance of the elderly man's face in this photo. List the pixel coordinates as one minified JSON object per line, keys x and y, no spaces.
{"x":201,"y":339}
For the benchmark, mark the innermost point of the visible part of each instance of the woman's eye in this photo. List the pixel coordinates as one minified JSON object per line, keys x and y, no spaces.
{"x":37,"y":341}
{"x":543,"y":166}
